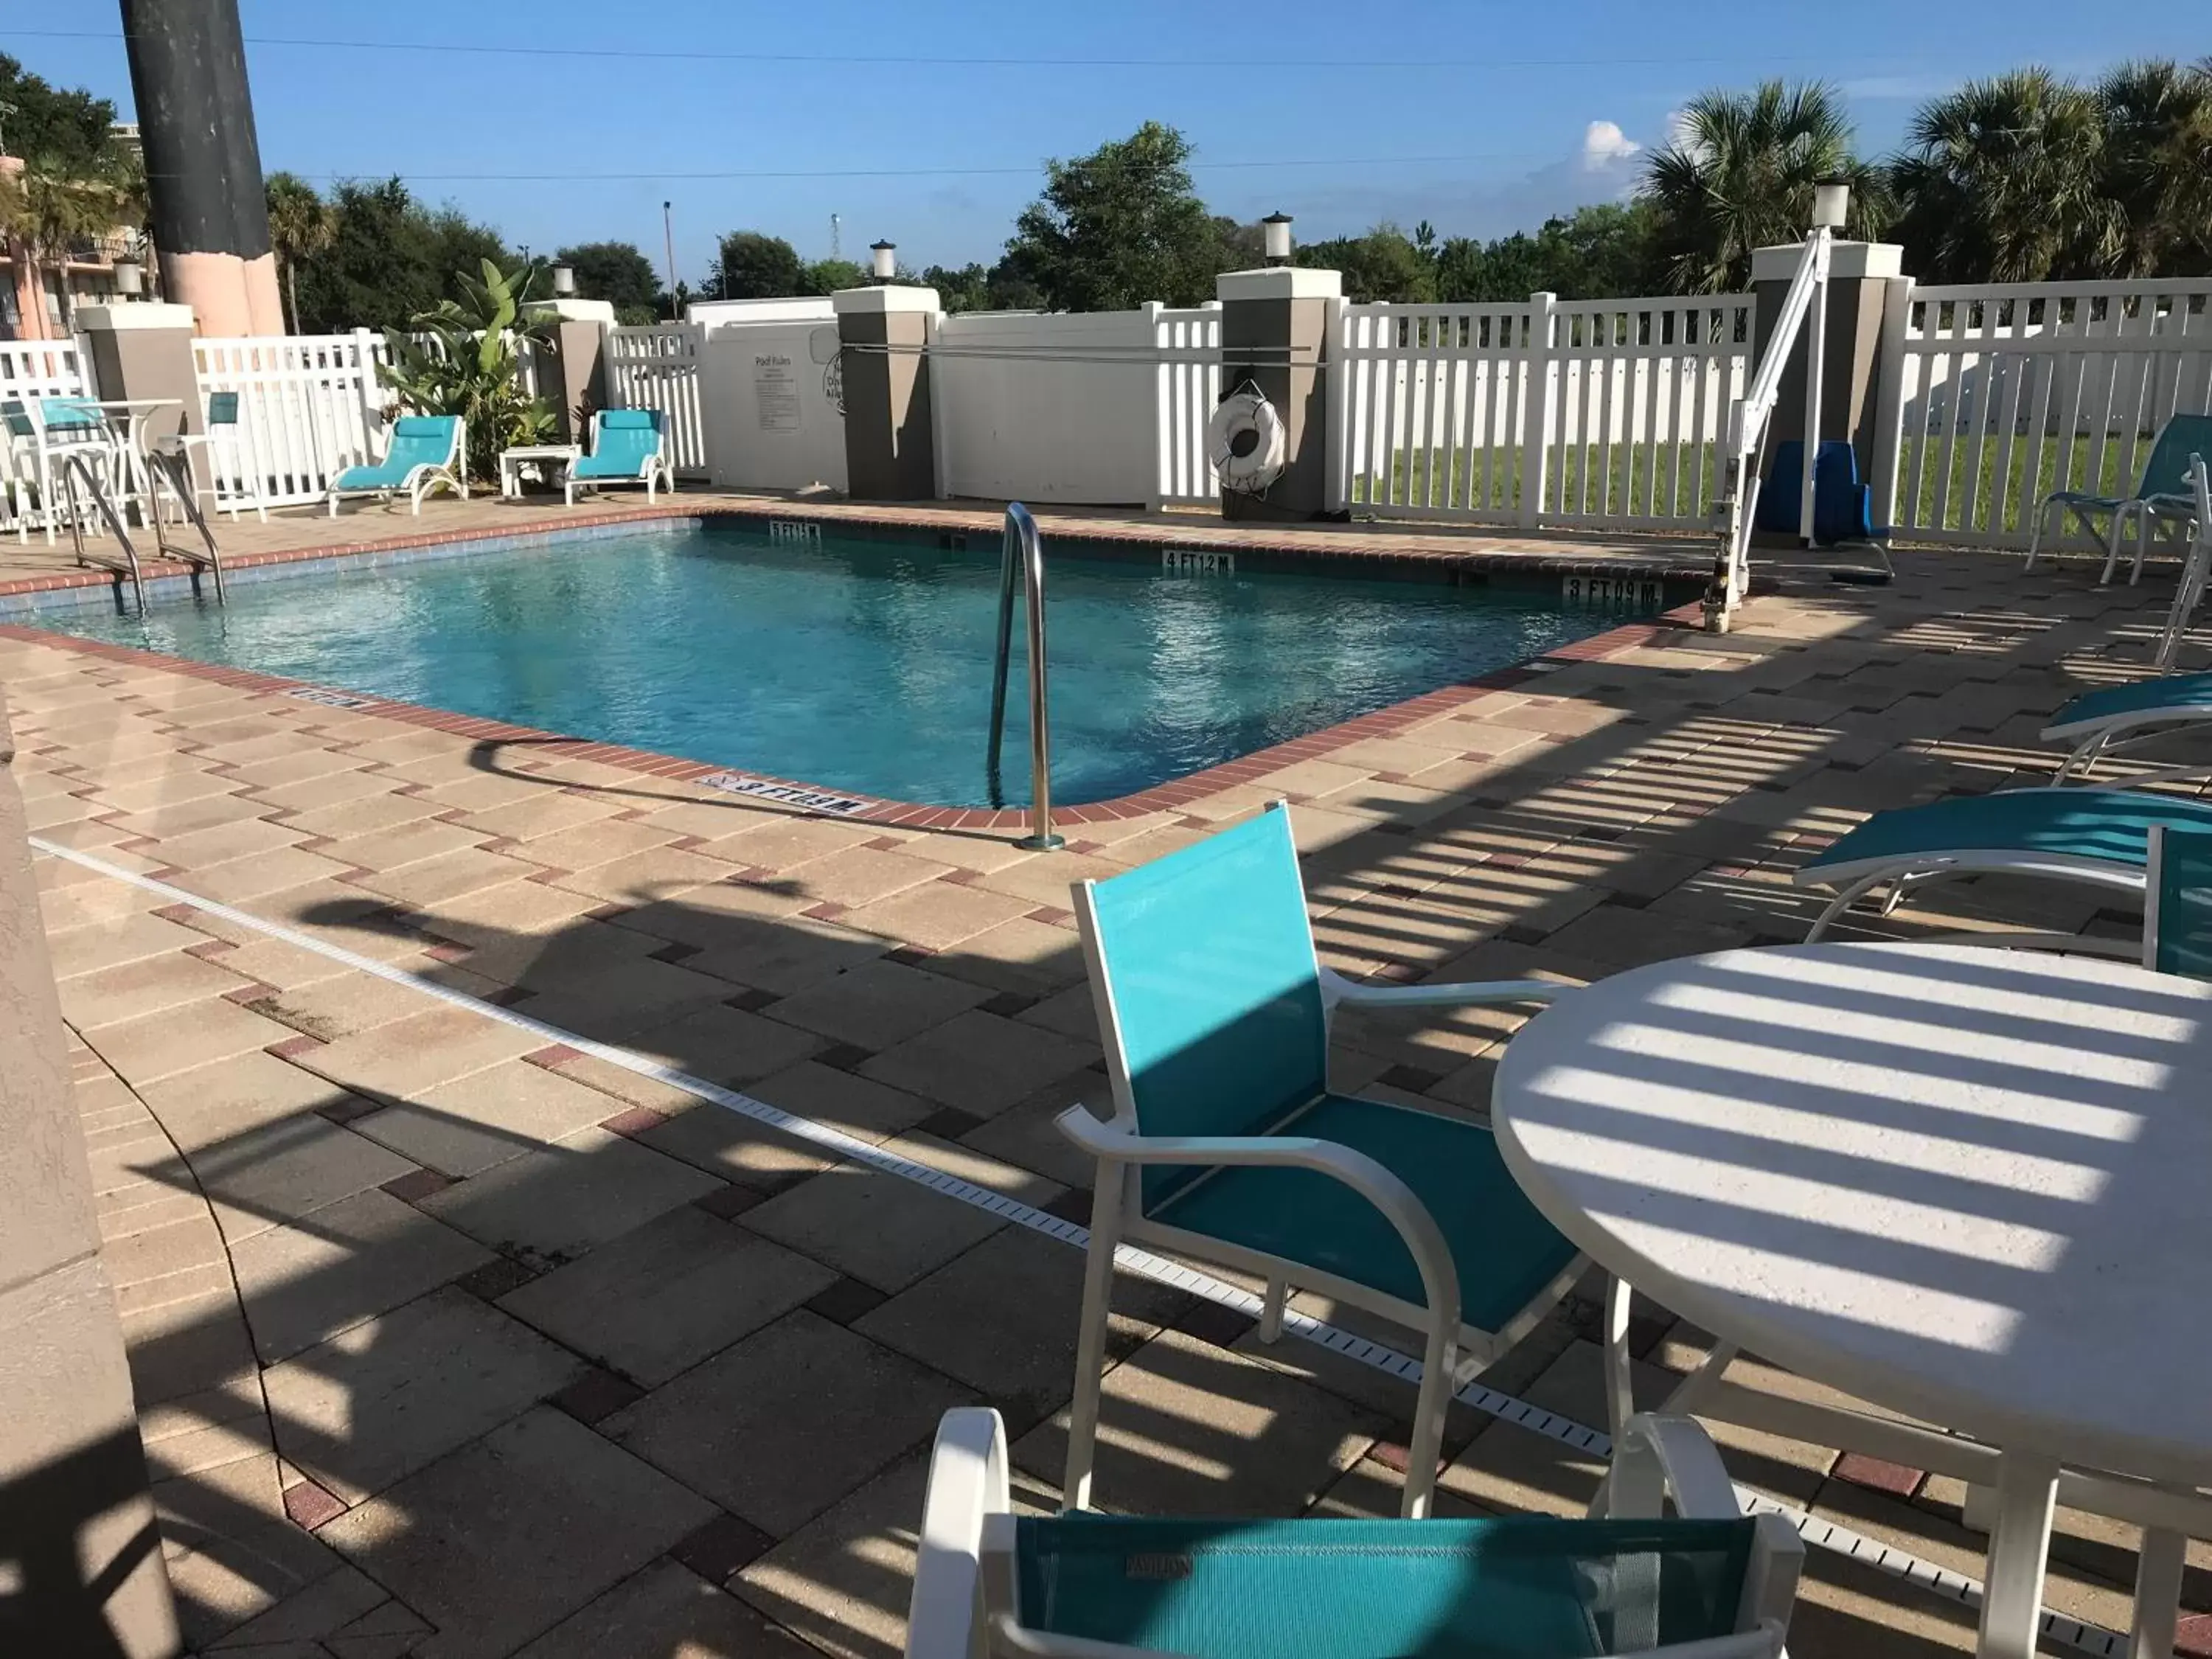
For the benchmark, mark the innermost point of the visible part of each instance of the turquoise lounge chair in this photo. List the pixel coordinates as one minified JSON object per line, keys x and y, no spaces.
{"x":1227,"y":1146}
{"x":1709,"y":1584}
{"x":2177,"y":903}
{"x":426,"y":451}
{"x":628,"y":446}
{"x":2099,"y":837}
{"x":2162,"y":493}
{"x":2117,"y":717}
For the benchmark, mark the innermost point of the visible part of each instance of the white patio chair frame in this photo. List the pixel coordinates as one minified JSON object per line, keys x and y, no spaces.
{"x":963,"y":1595}
{"x":1117,"y":1216}
{"x":43,"y":451}
{"x":421,"y":479}
{"x":2196,"y":568}
{"x":230,"y":437}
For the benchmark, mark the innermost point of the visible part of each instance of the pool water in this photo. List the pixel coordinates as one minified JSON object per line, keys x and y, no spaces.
{"x":860,"y":665}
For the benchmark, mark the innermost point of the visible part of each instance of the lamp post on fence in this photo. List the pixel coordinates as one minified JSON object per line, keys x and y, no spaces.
{"x":1275,"y":237}
{"x":884,"y":258}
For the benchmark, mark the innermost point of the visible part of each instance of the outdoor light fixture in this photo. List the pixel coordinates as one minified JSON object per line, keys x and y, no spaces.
{"x":886,"y":260}
{"x":1276,"y":229}
{"x":1832,"y":204}
{"x":130,"y":278}
{"x":564,"y":282}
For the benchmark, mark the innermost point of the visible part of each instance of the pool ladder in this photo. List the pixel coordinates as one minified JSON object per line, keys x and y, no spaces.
{"x":165,"y":468}
{"x":1021,"y":547}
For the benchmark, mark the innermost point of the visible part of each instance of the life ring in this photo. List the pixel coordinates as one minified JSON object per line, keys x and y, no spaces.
{"x":1246,"y":443}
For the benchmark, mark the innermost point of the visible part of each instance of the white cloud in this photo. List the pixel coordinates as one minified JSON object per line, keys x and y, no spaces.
{"x":1604,"y":167}
{"x":1604,"y":142}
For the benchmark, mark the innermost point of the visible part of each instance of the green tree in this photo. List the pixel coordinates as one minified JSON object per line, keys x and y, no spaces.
{"x":1384,"y":265}
{"x":68,"y":128}
{"x":1118,"y":228}
{"x":1740,"y":175}
{"x":964,"y":288}
{"x":389,"y":259}
{"x":2155,"y":166}
{"x":300,"y":226}
{"x":620,"y":274}
{"x":828,"y":276}
{"x":2004,"y":181}
{"x":749,"y":265}
{"x":470,"y":362}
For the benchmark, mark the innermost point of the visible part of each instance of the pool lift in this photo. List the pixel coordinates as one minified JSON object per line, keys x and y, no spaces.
{"x":1022,"y":557}
{"x":169,"y":471}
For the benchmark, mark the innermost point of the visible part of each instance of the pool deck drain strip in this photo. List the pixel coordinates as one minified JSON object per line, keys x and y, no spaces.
{"x":2088,"y":1638}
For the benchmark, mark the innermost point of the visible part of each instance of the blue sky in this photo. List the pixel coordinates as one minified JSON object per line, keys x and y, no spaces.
{"x":1481,"y":118}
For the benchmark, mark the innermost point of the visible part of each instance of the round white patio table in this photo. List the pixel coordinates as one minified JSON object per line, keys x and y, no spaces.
{"x":135,"y":412}
{"x":1963,"y":1183}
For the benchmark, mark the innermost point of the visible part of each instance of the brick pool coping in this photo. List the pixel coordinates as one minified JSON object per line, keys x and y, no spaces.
{"x":819,"y":801}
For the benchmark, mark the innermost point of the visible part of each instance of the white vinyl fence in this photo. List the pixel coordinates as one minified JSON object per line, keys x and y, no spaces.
{"x":308,"y":407}
{"x":2005,"y":393}
{"x":1102,"y":407}
{"x":657,"y":367}
{"x":1596,"y":413}
{"x":44,"y":368}
{"x":771,"y":402}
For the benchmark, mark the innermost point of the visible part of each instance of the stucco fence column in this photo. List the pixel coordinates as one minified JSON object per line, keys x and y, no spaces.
{"x":882,"y":334}
{"x":1274,"y":337}
{"x":81,"y":1571}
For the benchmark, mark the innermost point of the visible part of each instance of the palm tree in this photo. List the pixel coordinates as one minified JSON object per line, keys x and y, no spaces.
{"x":48,"y":210}
{"x":2005,"y":182}
{"x":1739,"y":173}
{"x":2157,"y":121}
{"x":300,"y":226}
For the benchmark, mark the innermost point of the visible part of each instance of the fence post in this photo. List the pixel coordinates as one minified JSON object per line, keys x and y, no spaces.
{"x":1163,"y":412}
{"x":1536,"y":417}
{"x":940,"y":457}
{"x":1335,"y":367}
{"x":365,"y":342}
{"x":1887,"y":444}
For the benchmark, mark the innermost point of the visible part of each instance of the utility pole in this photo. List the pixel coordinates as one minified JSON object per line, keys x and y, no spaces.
{"x":668,"y":238}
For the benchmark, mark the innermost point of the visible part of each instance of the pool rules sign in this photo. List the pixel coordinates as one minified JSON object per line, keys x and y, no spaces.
{"x":775,"y":391}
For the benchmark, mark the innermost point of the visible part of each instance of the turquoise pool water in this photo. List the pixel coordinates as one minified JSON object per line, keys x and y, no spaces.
{"x":860,"y":665}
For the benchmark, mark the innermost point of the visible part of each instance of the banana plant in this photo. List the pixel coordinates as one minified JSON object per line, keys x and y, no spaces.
{"x":465,"y":358}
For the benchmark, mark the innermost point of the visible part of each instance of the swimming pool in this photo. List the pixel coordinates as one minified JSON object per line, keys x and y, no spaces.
{"x":863,"y":665}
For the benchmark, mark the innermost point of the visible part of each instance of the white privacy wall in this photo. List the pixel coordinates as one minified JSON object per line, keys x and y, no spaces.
{"x":770,"y":421}
{"x":1078,"y":425}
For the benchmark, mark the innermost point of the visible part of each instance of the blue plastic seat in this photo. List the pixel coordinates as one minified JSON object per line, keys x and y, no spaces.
{"x":2162,"y":493}
{"x":2177,"y":904}
{"x":1843,"y":507}
{"x":1213,"y":1012}
{"x":1707,"y":1581}
{"x":426,"y":451}
{"x":628,"y":445}
{"x":2097,"y":836}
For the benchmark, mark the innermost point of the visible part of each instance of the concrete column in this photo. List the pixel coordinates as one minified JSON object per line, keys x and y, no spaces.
{"x":890,"y":452}
{"x":140,"y":349}
{"x":81,"y":1571}
{"x":210,"y":212}
{"x":1858,"y":283}
{"x":1274,"y":335}
{"x":571,"y":372}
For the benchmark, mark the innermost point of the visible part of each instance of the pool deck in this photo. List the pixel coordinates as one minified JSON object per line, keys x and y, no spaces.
{"x":451,"y":1339}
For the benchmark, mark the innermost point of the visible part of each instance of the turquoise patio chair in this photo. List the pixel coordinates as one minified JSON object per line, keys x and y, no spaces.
{"x":628,"y":446}
{"x":1213,"y":1012}
{"x":2162,"y":493}
{"x":2096,"y":837}
{"x":1709,"y":1584}
{"x":2177,"y":903}
{"x":426,"y":451}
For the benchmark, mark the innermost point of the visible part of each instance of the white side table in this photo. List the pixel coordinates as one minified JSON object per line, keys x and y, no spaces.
{"x":511,"y":461}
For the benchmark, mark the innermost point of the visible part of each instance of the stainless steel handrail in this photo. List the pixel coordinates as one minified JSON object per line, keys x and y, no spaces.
{"x":75,"y":466}
{"x":1024,"y":546}
{"x":173,"y":468}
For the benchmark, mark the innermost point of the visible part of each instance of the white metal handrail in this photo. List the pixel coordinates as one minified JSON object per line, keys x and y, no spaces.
{"x":1747,"y":429}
